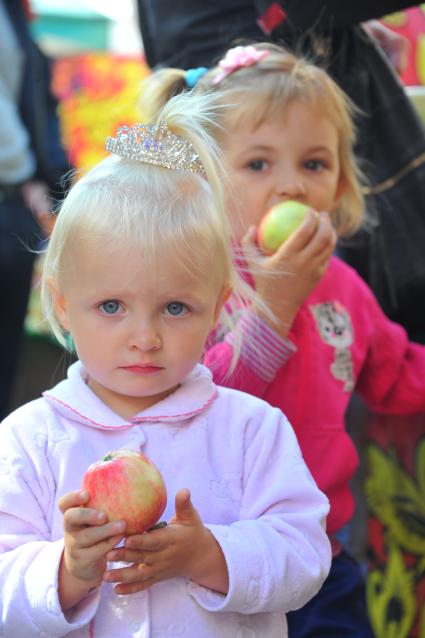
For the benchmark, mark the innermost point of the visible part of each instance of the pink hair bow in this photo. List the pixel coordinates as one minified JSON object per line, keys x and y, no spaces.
{"x":237,"y":58}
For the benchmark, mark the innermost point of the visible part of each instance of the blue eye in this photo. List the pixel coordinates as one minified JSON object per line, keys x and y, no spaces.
{"x":258,"y":165}
{"x":110,"y":307}
{"x":176,"y":308}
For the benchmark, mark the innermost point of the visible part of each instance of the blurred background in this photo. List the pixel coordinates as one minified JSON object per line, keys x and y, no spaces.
{"x":98,"y":65}
{"x":98,"y":61}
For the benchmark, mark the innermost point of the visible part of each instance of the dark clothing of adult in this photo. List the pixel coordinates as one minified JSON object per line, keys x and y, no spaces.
{"x":190,"y":33}
{"x":391,"y":139}
{"x":38,"y":105}
{"x":19,"y":231}
{"x":339,"y":610}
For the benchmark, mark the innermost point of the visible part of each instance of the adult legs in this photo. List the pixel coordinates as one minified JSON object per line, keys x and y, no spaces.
{"x":17,"y":232}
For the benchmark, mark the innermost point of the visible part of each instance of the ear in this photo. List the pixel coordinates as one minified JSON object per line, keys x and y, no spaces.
{"x":224,"y":295}
{"x":59,"y":305}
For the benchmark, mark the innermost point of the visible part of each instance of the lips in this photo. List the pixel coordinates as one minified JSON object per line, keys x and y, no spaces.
{"x":143,"y":368}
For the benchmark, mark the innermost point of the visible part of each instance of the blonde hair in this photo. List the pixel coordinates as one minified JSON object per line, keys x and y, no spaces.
{"x":151,"y":209}
{"x":262,"y":91}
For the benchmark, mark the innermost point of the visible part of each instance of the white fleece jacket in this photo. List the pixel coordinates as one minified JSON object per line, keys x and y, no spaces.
{"x":242,"y":463}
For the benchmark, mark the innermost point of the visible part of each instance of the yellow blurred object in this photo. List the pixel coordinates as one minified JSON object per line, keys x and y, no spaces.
{"x":397,"y":19}
{"x":390,"y":598}
{"x":97,"y":92}
{"x":396,"y":498}
{"x":420,"y":58}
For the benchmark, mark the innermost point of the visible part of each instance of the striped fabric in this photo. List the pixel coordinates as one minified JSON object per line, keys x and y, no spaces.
{"x":263,"y":350}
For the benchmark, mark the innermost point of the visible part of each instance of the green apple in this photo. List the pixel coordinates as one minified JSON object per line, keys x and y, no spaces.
{"x":279,"y":223}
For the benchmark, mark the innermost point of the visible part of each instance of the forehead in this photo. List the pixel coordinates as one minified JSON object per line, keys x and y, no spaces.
{"x":299,"y":123}
{"x":122,"y":267}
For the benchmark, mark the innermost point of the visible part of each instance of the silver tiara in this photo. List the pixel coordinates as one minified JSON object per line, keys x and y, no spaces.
{"x":155,"y":145}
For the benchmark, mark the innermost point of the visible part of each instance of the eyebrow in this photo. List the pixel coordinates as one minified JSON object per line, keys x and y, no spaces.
{"x":261,"y":148}
{"x":258,"y":148}
{"x":109,"y":293}
{"x":319,"y":149}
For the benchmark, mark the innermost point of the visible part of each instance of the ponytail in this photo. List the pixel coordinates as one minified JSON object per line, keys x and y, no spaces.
{"x":158,"y":88}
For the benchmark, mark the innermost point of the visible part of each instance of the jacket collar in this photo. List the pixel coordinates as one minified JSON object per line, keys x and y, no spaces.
{"x":74,"y":400}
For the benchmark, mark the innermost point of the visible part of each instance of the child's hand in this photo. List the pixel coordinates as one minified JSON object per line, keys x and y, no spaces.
{"x":184,"y":548}
{"x":88,"y":537}
{"x":285,"y":279}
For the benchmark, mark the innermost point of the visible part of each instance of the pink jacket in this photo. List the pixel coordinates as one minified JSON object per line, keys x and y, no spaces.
{"x":340,"y":341}
{"x":242,"y":463}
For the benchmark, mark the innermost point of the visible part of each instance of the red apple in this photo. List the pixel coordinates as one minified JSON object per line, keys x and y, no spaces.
{"x":127,"y":486}
{"x":279,"y":223}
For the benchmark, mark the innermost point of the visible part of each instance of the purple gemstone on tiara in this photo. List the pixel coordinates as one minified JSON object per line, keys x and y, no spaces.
{"x":156,"y":145}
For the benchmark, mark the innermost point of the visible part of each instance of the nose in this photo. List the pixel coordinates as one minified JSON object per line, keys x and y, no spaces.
{"x":145,"y":337}
{"x":290,"y":185}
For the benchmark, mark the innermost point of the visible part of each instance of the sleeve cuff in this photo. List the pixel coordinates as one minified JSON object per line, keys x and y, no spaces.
{"x":247,"y":586}
{"x":42,"y":590}
{"x":209,"y":599}
{"x":262,"y":349}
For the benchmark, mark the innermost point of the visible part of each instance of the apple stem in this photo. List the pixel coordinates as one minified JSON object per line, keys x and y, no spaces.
{"x":158,"y":526}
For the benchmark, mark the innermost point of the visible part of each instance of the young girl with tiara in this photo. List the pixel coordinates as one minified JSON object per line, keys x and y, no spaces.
{"x":287,"y":134}
{"x":137,"y":270}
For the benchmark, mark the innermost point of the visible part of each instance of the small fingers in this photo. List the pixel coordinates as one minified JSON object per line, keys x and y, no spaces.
{"x":105,"y":546}
{"x":308,"y":228}
{"x":84,"y":535}
{"x":99,"y":533}
{"x":73,"y":499}
{"x":325,"y":239}
{"x":77,"y":517}
{"x":140,"y":548}
{"x":136,"y":573}
{"x":95,"y":550}
{"x":122,"y":554}
{"x":150,"y":541}
{"x":102,"y":534}
{"x":124,"y":589}
{"x":314,"y":237}
{"x":302,"y":236}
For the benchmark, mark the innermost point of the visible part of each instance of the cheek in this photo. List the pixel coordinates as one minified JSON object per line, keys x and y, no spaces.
{"x":85,"y":348}
{"x":92,"y":338}
{"x":192,"y":344}
{"x":242,"y":214}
